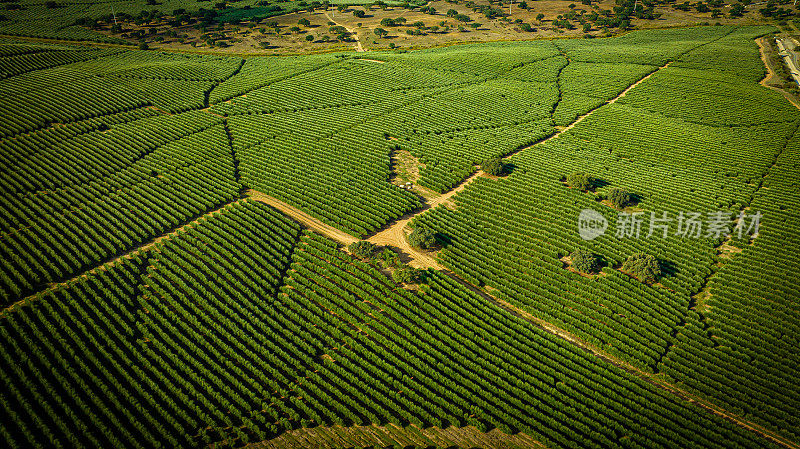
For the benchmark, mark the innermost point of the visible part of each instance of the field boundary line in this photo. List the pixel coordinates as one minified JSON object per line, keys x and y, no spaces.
{"x":332,"y":437}
{"x":304,"y":218}
{"x":128,"y":254}
{"x":619,"y":363}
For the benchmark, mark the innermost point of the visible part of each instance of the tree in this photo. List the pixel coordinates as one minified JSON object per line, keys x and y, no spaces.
{"x":619,"y":198}
{"x":539,"y":17}
{"x":143,"y":46}
{"x":584,"y":261}
{"x":359,"y":13}
{"x":305,"y":22}
{"x":580,"y":181}
{"x":422,"y":237}
{"x":361,"y":249}
{"x":452,"y":13}
{"x":389,"y":258}
{"x":380,"y":32}
{"x":294,"y":29}
{"x":644,"y":267}
{"x":264,"y":44}
{"x":310,"y":38}
{"x":494,"y":167}
{"x":408,"y":275}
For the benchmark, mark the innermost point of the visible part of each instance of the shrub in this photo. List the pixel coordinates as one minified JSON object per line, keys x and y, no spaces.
{"x":389,"y":258}
{"x":408,"y":275}
{"x":494,"y":167}
{"x":143,"y":46}
{"x":644,"y":267}
{"x":580,"y":181}
{"x":585,"y":261}
{"x":422,"y":237}
{"x":361,"y":249}
{"x":620,"y":198}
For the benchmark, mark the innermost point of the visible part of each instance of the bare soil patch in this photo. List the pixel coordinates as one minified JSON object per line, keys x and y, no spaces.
{"x":377,"y":436}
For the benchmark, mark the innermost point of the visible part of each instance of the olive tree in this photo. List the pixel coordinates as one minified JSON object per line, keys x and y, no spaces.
{"x":644,"y":267}
{"x":408,"y":275}
{"x":580,"y":181}
{"x":620,"y":198}
{"x":361,"y":249}
{"x":494,"y":167}
{"x":585,"y":261}
{"x":422,"y":237}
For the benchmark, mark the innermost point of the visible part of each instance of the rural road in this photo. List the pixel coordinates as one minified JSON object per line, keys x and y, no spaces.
{"x":349,"y":30}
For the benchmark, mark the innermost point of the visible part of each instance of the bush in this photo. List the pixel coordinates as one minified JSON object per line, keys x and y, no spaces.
{"x":644,"y":267}
{"x":620,"y":198}
{"x":580,"y":181}
{"x":361,"y":249}
{"x":585,"y":261}
{"x":422,"y":237}
{"x":389,"y":258}
{"x":143,"y":46}
{"x":408,"y":275}
{"x":494,"y":167}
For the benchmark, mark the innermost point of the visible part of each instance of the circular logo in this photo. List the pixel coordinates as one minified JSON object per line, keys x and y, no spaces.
{"x":591,"y":224}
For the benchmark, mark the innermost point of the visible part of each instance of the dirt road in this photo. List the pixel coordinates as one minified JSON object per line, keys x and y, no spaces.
{"x":349,"y":30}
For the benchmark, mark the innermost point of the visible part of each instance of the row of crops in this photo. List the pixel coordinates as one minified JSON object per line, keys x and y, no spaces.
{"x":70,"y":203}
{"x":713,"y":153}
{"x":742,"y":350}
{"x":59,"y":85}
{"x":244,"y":326}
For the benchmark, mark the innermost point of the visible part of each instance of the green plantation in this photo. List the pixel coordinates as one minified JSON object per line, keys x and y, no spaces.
{"x":150,"y":298}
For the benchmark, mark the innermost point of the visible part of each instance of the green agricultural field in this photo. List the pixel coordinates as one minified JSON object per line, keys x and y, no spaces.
{"x":180,"y":262}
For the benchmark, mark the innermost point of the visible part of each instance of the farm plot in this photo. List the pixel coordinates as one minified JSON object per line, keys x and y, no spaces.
{"x":709,"y":154}
{"x":222,"y":334}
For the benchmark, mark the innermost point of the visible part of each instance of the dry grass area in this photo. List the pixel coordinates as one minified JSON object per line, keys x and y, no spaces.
{"x":391,"y":435}
{"x":247,"y":37}
{"x":406,"y":167}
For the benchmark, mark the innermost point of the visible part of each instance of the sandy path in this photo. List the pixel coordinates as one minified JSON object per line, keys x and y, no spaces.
{"x":303,"y":218}
{"x":377,"y":436}
{"x":395,"y":234}
{"x":349,"y":30}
